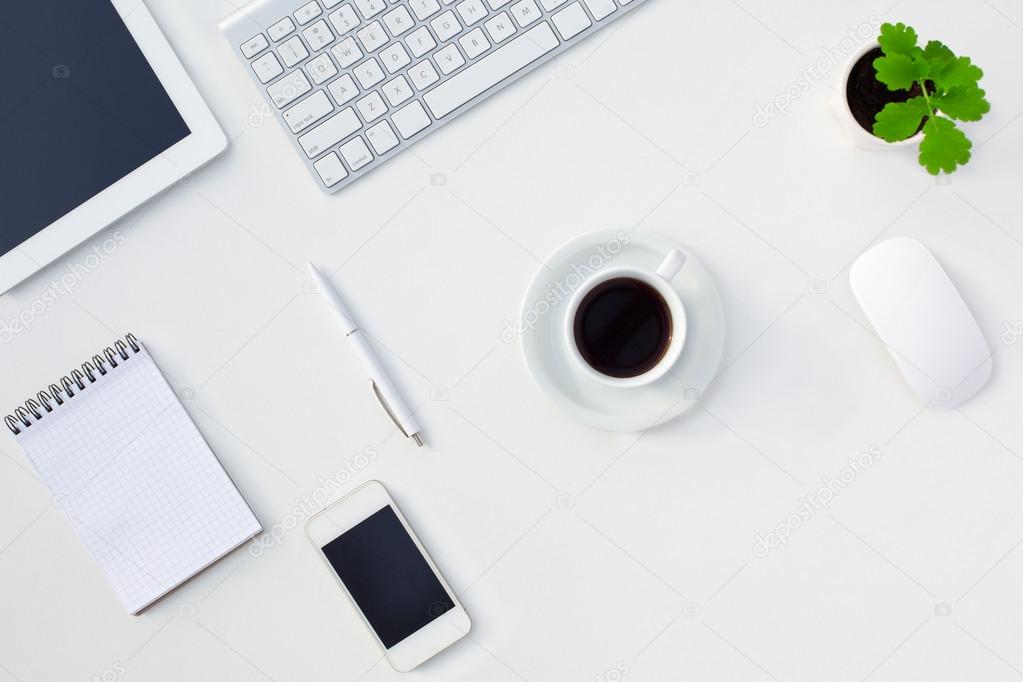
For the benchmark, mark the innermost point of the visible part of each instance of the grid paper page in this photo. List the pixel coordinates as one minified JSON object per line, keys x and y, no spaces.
{"x":138,"y":482}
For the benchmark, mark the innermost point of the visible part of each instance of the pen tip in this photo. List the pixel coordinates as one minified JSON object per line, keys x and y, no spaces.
{"x":418,"y":439}
{"x":312,"y":269}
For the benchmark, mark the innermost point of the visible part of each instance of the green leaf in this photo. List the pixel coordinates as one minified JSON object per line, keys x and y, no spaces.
{"x":900,"y":120}
{"x":898,"y":71}
{"x":898,"y":39}
{"x":945,"y":147}
{"x":959,"y":71}
{"x":963,"y":102}
{"x":937,"y":55}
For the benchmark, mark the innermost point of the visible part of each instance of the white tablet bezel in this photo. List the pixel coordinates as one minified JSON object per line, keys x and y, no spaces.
{"x":342,"y":516}
{"x":205,"y":142}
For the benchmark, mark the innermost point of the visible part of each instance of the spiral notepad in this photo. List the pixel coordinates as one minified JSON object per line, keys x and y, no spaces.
{"x":133,"y":475}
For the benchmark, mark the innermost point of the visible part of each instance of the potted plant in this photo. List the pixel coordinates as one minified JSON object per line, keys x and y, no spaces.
{"x":898,"y":94}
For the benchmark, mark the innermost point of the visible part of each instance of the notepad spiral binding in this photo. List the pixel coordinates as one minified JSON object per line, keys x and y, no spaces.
{"x":57,"y":393}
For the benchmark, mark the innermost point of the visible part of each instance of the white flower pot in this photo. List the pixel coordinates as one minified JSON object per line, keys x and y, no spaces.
{"x":859,"y":136}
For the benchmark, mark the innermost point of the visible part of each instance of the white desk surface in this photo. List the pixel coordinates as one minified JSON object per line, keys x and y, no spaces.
{"x":580,"y":555}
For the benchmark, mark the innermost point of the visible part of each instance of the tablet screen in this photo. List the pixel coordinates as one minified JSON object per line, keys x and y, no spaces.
{"x":80,"y":108}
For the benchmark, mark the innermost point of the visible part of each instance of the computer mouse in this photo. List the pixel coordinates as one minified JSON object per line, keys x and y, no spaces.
{"x":923,"y":320}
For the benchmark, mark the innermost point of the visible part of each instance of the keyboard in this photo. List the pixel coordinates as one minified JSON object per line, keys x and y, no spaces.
{"x":354,"y":82}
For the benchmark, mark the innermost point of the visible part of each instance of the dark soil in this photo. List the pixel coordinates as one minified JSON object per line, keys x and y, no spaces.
{"x":867,"y":96}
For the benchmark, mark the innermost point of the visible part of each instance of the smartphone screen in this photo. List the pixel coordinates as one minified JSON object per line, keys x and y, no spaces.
{"x":388,"y":577}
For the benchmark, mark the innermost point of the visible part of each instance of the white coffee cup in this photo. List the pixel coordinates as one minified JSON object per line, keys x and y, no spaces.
{"x":660,"y":280}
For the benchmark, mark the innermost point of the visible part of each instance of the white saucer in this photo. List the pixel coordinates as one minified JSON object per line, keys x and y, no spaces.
{"x":591,"y":402}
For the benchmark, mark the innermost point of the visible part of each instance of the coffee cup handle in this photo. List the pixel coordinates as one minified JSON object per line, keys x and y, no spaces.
{"x":672,"y":265}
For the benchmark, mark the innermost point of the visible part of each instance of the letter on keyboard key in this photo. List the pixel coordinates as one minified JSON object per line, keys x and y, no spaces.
{"x":500,"y":27}
{"x":472,"y":11}
{"x":330,"y":132}
{"x":446,"y":26}
{"x":571,"y":21}
{"x":288,"y":89}
{"x":525,"y":12}
{"x":411,"y":120}
{"x":331,"y":169}
{"x":343,"y":89}
{"x":491,"y":70}
{"x":308,"y":111}
{"x":449,"y":59}
{"x":346,"y":52}
{"x":425,"y":9}
{"x":474,"y":43}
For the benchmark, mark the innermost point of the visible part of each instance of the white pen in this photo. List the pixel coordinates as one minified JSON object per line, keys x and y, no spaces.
{"x":382,"y":385}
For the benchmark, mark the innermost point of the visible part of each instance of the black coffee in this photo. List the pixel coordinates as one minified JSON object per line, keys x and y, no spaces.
{"x":623,"y":328}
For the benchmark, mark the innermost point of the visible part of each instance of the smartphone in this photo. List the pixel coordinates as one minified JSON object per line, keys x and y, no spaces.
{"x":380,"y":564}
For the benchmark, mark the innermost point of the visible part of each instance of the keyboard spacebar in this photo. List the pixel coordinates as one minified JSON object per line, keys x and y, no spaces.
{"x":491,"y":70}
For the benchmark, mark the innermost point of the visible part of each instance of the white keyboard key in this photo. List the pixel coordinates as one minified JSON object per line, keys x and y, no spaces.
{"x":330,"y":132}
{"x":525,"y":12}
{"x":369,"y":73}
{"x":318,"y":35}
{"x":346,"y":52}
{"x":308,"y":111}
{"x":491,"y":70}
{"x":288,"y":89}
{"x":472,"y":11}
{"x":423,"y":75}
{"x":601,"y":9}
{"x":356,"y":153}
{"x":395,"y":58}
{"x":282,"y":28}
{"x":551,"y":5}
{"x":571,"y":21}
{"x":398,"y":21}
{"x":344,"y":20}
{"x":267,"y":67}
{"x":331,"y":170}
{"x":382,"y":137}
{"x":371,"y":107}
{"x":398,"y":91}
{"x":446,"y":26}
{"x":343,"y":90}
{"x":497,"y":4}
{"x":372,"y":37}
{"x":420,"y":42}
{"x":500,"y":27}
{"x":254,"y":46}
{"x":370,"y":8}
{"x":411,"y":120}
{"x":424,"y":9}
{"x":449,"y":59}
{"x":292,"y":51}
{"x":474,"y":43}
{"x":330,"y":3}
{"x":307,"y":13}
{"x":321,"y":69}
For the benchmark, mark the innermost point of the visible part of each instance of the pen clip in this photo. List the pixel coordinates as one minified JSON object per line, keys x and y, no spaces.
{"x":387,"y":408}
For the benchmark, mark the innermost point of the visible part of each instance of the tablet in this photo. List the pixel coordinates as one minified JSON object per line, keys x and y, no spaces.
{"x":97,"y":116}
